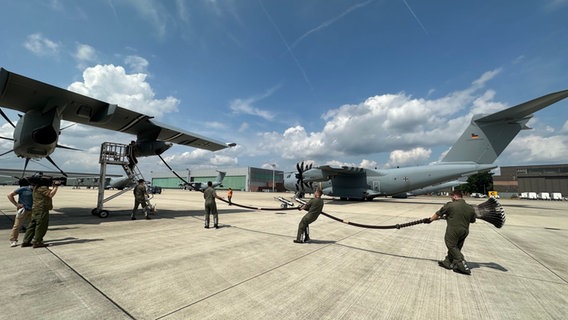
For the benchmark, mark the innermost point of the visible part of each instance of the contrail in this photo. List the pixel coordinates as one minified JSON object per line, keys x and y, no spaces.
{"x":331,"y":21}
{"x":415,"y":17}
{"x":287,"y":46}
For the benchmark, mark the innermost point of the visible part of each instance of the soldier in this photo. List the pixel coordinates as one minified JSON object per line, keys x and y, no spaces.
{"x":42,"y":202}
{"x":314,"y":207}
{"x":458,"y":215}
{"x":140,"y":195}
{"x":230,"y":195}
{"x":210,"y":205}
{"x":24,"y":202}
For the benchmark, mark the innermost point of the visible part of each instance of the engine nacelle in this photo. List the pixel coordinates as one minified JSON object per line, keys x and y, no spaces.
{"x":313,"y":175}
{"x":36,"y":134}
{"x":151,"y":148}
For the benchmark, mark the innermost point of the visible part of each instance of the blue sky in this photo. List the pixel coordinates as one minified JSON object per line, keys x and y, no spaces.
{"x":366,"y":83}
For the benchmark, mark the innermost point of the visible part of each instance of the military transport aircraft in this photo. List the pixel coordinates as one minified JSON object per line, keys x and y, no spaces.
{"x":475,"y":151}
{"x":44,"y":106}
{"x":201,"y":186}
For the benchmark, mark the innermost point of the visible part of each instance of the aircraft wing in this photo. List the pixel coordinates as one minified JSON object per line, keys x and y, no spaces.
{"x":24,"y":94}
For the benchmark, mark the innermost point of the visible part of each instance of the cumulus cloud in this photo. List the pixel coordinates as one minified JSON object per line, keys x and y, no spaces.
{"x":40,"y":45}
{"x":382,"y":123}
{"x":131,"y":91}
{"x":402,"y":158}
{"x":200,"y":159}
{"x":539,"y":149}
{"x":114,"y":85}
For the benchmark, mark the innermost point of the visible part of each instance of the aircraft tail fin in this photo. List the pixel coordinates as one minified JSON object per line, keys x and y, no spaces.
{"x":487,"y":136}
{"x":220,"y":176}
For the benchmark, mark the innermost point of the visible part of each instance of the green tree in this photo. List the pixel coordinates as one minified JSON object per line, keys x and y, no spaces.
{"x":480,"y":182}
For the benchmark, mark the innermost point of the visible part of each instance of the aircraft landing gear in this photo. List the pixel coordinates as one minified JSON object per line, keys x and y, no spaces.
{"x":100,"y":213}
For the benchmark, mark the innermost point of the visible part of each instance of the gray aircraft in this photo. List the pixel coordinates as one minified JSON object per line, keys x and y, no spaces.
{"x":201,"y":186}
{"x":44,"y":106}
{"x":475,"y":151}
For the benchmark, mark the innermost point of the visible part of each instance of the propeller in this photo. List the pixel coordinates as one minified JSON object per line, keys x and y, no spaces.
{"x":28,"y":159}
{"x":6,"y":118}
{"x":300,"y":184}
{"x":53,"y":163}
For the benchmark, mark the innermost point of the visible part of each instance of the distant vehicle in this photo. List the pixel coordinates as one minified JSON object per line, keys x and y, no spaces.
{"x":494,"y":194}
{"x":557,"y":196}
{"x":544,"y":196}
{"x":478,"y":195}
{"x":532,"y":196}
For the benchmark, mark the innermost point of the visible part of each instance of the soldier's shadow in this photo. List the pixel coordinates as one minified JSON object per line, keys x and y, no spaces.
{"x":491,"y":265}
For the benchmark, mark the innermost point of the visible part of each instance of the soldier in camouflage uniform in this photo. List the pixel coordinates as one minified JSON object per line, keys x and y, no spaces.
{"x":210,"y":205}
{"x":140,"y":194}
{"x":458,"y":215}
{"x":42,"y":203}
{"x":314,"y":207}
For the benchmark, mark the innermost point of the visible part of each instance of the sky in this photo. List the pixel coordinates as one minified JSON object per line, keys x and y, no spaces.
{"x":375,"y":84}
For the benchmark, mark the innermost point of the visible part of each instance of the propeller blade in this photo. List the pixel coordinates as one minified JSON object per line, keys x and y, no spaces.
{"x":53,"y":163}
{"x":6,"y":117}
{"x":68,"y":126}
{"x":25,"y":167}
{"x":7,"y":138}
{"x":6,"y":152}
{"x":68,"y":148}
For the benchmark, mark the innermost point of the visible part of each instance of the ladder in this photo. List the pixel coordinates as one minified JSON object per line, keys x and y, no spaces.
{"x":115,"y":154}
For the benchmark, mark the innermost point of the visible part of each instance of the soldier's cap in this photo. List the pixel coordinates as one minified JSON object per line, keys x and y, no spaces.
{"x":140,"y":180}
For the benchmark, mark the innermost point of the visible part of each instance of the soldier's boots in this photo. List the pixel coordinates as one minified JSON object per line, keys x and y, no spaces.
{"x":446,"y":264}
{"x":461,"y":267}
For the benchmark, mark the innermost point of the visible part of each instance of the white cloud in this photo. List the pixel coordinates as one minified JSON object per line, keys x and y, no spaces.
{"x":402,"y":158}
{"x":246,"y":106}
{"x":199,"y":159}
{"x":40,"y":45}
{"x":564,"y":128}
{"x":131,"y":91}
{"x":382,"y":123}
{"x":85,"y":55}
{"x":136,"y":63}
{"x":538,"y":149}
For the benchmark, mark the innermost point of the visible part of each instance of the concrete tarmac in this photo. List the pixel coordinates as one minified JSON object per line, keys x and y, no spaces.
{"x":170,"y":267}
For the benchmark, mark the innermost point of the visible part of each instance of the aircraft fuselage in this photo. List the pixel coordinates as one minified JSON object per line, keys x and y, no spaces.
{"x":369,"y":184}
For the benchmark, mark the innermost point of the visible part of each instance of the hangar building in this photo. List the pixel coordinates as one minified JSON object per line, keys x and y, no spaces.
{"x":242,"y":179}
{"x":536,"y":178}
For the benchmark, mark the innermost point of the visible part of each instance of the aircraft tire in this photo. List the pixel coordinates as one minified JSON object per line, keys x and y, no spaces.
{"x":95,"y":212}
{"x":104,"y":214}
